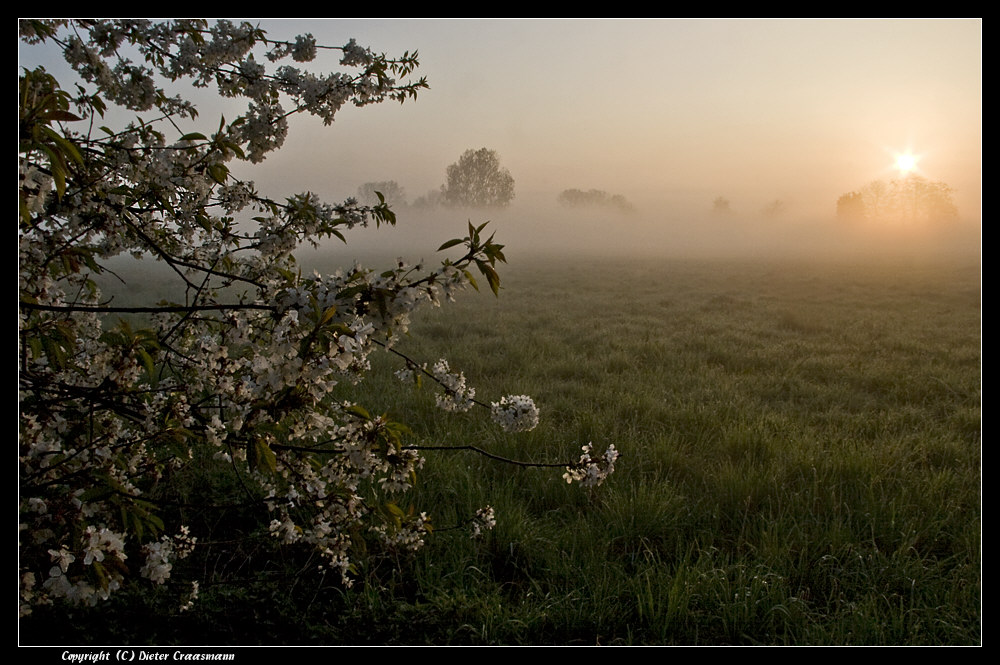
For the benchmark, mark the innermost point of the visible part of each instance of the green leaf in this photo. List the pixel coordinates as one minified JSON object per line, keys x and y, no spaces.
{"x":359,"y":411}
{"x":328,"y":314}
{"x":237,"y":150}
{"x":400,"y":428}
{"x":64,"y":144}
{"x":219,"y":173}
{"x":491,"y":276}
{"x":102,"y":577}
{"x":59,"y":116}
{"x":264,"y":457}
{"x":450,"y":243}
{"x":147,"y":361}
{"x":472,"y":280}
{"x":58,"y":168}
{"x":387,"y":216}
{"x":23,"y":206}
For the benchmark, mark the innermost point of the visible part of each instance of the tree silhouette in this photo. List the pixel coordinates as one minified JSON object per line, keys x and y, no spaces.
{"x":431,"y":199}
{"x":774,"y":209}
{"x":721,"y":206}
{"x":391,"y":191}
{"x":910,"y":199}
{"x":477,"y":180}
{"x":851,"y":206}
{"x":920,"y":199}
{"x":578,"y":198}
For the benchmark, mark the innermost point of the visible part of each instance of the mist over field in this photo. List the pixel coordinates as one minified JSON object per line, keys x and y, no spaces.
{"x":670,"y":115}
{"x":546,"y":228}
{"x":780,"y":118}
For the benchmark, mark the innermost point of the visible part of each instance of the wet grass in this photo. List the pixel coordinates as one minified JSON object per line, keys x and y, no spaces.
{"x":801,"y":464}
{"x":800,"y":455}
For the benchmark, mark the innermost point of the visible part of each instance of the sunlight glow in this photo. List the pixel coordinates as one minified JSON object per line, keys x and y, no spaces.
{"x":906,"y":162}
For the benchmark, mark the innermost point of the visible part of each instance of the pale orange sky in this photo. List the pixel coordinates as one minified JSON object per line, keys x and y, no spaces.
{"x":669,"y":113}
{"x":753,"y":110}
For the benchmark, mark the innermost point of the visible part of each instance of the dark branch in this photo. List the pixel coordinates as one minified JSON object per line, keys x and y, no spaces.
{"x":104,"y":309}
{"x":492,"y":456}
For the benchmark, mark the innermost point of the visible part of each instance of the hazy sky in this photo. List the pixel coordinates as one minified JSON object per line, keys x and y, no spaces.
{"x":757,"y":109}
{"x":670,"y":113}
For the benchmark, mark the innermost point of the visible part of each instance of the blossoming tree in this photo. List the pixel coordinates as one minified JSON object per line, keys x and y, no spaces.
{"x":239,"y":373}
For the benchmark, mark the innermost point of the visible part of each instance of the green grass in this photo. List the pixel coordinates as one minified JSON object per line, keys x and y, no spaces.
{"x":801,"y":464}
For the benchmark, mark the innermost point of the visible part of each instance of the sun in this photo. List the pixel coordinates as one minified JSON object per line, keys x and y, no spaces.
{"x":906,"y":163}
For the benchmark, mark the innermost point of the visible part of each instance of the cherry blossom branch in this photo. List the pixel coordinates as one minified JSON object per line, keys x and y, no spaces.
{"x":106,"y":309}
{"x":492,"y":456}
{"x":414,"y":366}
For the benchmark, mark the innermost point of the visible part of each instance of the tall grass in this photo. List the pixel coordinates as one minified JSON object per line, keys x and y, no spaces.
{"x":801,"y":464}
{"x":801,"y":452}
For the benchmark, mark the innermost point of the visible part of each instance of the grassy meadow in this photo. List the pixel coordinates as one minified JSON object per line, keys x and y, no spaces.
{"x":800,"y":464}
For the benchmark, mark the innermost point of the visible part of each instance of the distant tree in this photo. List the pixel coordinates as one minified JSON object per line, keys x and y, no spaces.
{"x":595,"y":197}
{"x":851,"y":207}
{"x":390,"y":190}
{"x":431,"y":199}
{"x":774,"y":208}
{"x":721,"y":206}
{"x":876,"y":198}
{"x":477,"y":180}
{"x":919,"y":199}
{"x":909,"y":199}
{"x":620,"y":202}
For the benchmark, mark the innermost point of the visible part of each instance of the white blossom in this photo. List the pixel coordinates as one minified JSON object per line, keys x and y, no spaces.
{"x":484,"y":520}
{"x":193,"y":596}
{"x":241,"y":374}
{"x":590,"y":471}
{"x":457,"y":395}
{"x":515,"y":413}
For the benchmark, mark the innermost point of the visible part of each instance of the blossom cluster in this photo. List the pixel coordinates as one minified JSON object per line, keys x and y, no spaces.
{"x":161,"y":554}
{"x":457,"y":395}
{"x":484,"y":520}
{"x":244,"y":370}
{"x":193,"y":596}
{"x":590,"y":471}
{"x":110,"y":414}
{"x":103,"y":549}
{"x":515,"y":413}
{"x":406,"y":534}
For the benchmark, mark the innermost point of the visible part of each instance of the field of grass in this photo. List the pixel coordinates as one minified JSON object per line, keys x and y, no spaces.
{"x":800,"y":464}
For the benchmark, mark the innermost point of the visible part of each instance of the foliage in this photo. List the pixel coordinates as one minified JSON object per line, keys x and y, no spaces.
{"x":431,"y":199}
{"x":576,"y":198}
{"x":851,"y":206}
{"x":720,"y":206}
{"x":232,"y":399}
{"x":775,"y":208}
{"x":910,"y":199}
{"x":392,"y":193}
{"x":477,"y":180}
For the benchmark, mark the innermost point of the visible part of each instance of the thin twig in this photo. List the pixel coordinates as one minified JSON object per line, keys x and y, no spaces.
{"x":485,"y":453}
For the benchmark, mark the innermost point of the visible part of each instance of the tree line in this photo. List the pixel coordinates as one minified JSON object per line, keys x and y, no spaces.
{"x":476,"y":180}
{"x":910,"y":199}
